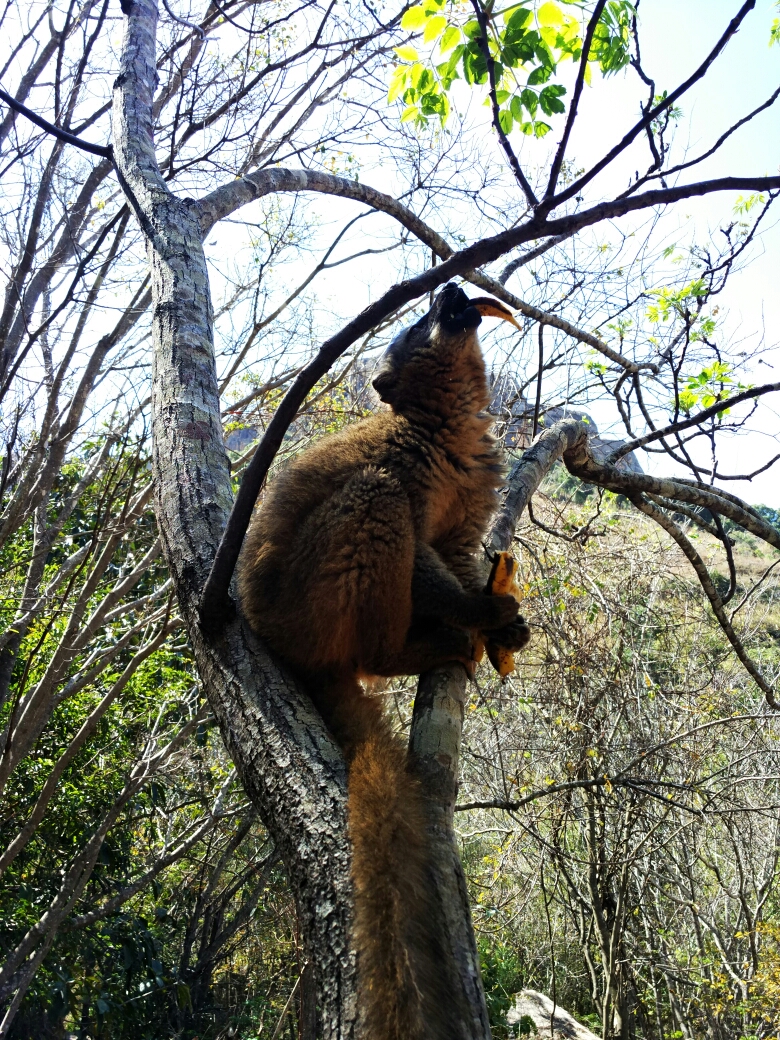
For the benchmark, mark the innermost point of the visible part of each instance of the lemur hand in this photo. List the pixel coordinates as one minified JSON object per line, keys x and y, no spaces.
{"x":513,"y":636}
{"x":493,"y":612}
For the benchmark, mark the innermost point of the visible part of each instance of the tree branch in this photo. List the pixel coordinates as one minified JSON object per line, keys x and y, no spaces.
{"x":581,"y":463}
{"x":512,"y":159}
{"x":576,"y":188}
{"x":694,"y":420}
{"x":104,"y":151}
{"x":529,"y":471}
{"x":232,"y":196}
{"x":721,"y":140}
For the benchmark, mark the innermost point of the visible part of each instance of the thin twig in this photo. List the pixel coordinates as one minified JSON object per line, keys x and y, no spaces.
{"x":538,"y":402}
{"x":578,"y":85}
{"x":512,"y":159}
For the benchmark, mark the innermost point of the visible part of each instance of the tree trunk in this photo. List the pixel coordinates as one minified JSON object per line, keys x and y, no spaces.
{"x":287,"y":762}
{"x":434,"y":746}
{"x":290,"y":767}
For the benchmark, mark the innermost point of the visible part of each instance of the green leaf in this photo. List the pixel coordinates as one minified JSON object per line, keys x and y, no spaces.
{"x":449,"y":39}
{"x":611,"y":40}
{"x":744,"y":204}
{"x":505,"y":120}
{"x":411,"y":112}
{"x":435,"y":104}
{"x":550,"y":101}
{"x":474,"y":64}
{"x":434,"y":28}
{"x":544,"y":55}
{"x":530,"y":100}
{"x":456,"y":55}
{"x":540,"y":128}
{"x":551,"y":36}
{"x":413,"y":19}
{"x":539,"y":75}
{"x":426,"y":82}
{"x":549,"y":14}
{"x":518,"y":18}
{"x":397,"y":83}
{"x":516,"y":108}
{"x":406,"y":52}
{"x":511,"y":56}
{"x":416,"y":73}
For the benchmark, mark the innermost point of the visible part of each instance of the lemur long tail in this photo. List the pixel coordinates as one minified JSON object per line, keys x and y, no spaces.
{"x":401,"y":964}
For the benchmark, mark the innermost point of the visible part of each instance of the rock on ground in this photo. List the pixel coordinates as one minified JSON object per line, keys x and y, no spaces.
{"x":551,"y":1021}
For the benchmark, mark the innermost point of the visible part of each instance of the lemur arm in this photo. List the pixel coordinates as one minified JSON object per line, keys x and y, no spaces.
{"x":460,"y":558}
{"x":437,"y":593}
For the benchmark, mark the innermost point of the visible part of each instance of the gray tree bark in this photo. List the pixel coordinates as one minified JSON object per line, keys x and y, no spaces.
{"x":290,"y":767}
{"x":434,"y":746}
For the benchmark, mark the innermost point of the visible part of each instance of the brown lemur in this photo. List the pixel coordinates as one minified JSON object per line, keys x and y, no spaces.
{"x":360,"y":562}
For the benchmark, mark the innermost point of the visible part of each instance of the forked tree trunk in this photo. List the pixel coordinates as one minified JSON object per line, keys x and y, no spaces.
{"x":288,"y":764}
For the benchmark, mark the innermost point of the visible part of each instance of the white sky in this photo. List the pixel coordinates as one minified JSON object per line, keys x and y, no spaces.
{"x":676,"y":35}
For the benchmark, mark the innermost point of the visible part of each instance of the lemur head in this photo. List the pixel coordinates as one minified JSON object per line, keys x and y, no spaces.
{"x":438,"y":350}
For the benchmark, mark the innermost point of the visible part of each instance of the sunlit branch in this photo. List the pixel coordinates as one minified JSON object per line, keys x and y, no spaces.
{"x":232,"y":196}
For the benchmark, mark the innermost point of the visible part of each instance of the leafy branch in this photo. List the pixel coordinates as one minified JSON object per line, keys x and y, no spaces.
{"x":515,"y":51}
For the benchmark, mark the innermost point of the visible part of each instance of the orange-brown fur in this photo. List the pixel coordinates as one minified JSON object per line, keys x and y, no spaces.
{"x":361,"y":562}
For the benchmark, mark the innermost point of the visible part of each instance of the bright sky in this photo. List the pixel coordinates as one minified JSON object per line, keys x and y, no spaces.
{"x":676,"y":36}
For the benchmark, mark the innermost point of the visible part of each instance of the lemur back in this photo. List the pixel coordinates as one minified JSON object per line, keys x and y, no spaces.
{"x":360,"y":562}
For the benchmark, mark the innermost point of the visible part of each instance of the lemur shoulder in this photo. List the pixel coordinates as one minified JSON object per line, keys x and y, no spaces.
{"x":361,"y":562}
